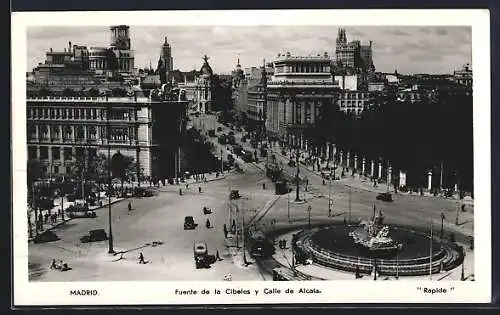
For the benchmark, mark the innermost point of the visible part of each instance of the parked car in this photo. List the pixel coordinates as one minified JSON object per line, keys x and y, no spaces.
{"x":47,"y":236}
{"x":94,"y":236}
{"x":387,"y":197}
{"x":189,"y":223}
{"x":291,"y":163}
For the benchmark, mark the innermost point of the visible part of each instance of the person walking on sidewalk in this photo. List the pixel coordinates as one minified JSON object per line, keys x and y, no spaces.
{"x":225,"y":230}
{"x":129,"y":206}
{"x":217,"y":256}
{"x":141,"y":259}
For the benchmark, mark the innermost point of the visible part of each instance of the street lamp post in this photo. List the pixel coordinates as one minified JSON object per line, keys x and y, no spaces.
{"x":430,"y":252}
{"x":442,"y":222}
{"x":288,"y":206}
{"x":62,"y":207}
{"x":110,"y":239}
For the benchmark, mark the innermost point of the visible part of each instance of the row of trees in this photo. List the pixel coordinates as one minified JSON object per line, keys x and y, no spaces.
{"x":91,"y":168}
{"x":92,"y":92}
{"x":413,"y":136}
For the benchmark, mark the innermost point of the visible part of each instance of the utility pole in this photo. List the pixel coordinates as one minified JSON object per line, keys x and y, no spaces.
{"x":430,"y":253}
{"x":349,"y":205}
{"x":297,"y":197}
{"x":309,"y":208}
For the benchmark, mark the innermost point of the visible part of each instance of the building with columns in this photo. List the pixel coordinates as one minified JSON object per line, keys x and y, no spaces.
{"x":60,"y":129}
{"x":295,"y":95}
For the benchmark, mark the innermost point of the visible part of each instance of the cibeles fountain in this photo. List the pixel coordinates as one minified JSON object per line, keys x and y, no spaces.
{"x":373,"y":238}
{"x":371,"y":246}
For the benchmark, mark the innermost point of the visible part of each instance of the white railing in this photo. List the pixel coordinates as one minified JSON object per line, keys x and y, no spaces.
{"x":99,"y":99}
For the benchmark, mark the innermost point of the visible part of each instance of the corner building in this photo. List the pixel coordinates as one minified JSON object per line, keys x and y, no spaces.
{"x":60,"y":129}
{"x":296,"y":93}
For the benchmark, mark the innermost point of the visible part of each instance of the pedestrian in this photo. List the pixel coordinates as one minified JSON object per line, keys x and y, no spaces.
{"x":225,"y":230}
{"x":129,"y":206}
{"x":207,"y":224}
{"x":233,"y":226}
{"x":199,"y":190}
{"x":180,"y":192}
{"x":187,"y":186}
{"x":141,"y":259}
{"x":53,"y":264}
{"x":217,"y":256}
{"x":358,"y":275}
{"x":463,"y":207}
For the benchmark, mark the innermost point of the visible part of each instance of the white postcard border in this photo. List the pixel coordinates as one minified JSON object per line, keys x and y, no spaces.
{"x":132,"y":293}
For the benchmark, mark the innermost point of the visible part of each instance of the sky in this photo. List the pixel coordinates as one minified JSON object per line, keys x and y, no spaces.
{"x":409,"y":49}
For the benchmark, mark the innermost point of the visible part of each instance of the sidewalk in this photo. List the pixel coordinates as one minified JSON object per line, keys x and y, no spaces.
{"x":57,"y":206}
{"x":364,"y":182}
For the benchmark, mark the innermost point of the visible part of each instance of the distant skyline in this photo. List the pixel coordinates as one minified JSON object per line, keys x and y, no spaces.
{"x":409,"y":49}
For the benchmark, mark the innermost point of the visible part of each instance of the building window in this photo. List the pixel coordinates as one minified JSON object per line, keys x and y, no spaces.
{"x":56,"y":153}
{"x":64,"y":114}
{"x":92,"y":132}
{"x":77,"y":113}
{"x":80,"y":134}
{"x":68,"y":153}
{"x":70,"y":113}
{"x":68,"y":169}
{"x":32,"y":153}
{"x":58,"y":113}
{"x":56,"y":169}
{"x":55,"y":132}
{"x":44,"y":153}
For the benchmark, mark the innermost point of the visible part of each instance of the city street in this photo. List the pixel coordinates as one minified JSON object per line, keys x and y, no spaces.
{"x":160,"y":219}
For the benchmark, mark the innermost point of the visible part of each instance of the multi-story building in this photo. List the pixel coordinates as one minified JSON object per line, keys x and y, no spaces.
{"x":464,"y":75}
{"x":353,"y":102}
{"x":295,"y":95}
{"x":352,"y":55}
{"x":61,"y":129}
{"x":204,"y":87}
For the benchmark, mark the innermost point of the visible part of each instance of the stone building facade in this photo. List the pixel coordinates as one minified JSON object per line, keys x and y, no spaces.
{"x":60,"y":129}
{"x":295,"y":94}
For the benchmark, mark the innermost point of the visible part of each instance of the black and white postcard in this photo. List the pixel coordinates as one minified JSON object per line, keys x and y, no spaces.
{"x":251,"y":157}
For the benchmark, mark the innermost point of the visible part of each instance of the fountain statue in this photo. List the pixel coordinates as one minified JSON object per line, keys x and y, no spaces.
{"x":373,"y":236}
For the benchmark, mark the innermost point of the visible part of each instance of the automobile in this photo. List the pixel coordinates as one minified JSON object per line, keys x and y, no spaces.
{"x":207,"y":210}
{"x":189,"y":223}
{"x":142,"y":192}
{"x":201,"y":257}
{"x":211,"y":133}
{"x":47,"y":236}
{"x":219,"y":129}
{"x":291,"y":163}
{"x":79,"y":213}
{"x":387,"y":197}
{"x":235,"y":194}
{"x":248,"y":157}
{"x":94,"y":236}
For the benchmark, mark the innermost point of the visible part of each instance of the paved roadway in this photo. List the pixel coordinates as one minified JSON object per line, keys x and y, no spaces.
{"x":160,"y":218}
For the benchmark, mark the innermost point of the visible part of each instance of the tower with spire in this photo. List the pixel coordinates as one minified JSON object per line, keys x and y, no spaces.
{"x":166,"y":57}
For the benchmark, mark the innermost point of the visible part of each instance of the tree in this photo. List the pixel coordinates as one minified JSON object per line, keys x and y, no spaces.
{"x":34,"y":172}
{"x":120,"y":166}
{"x":93,"y":92}
{"x":44,"y":92}
{"x":118,"y":92}
{"x":68,"y":92}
